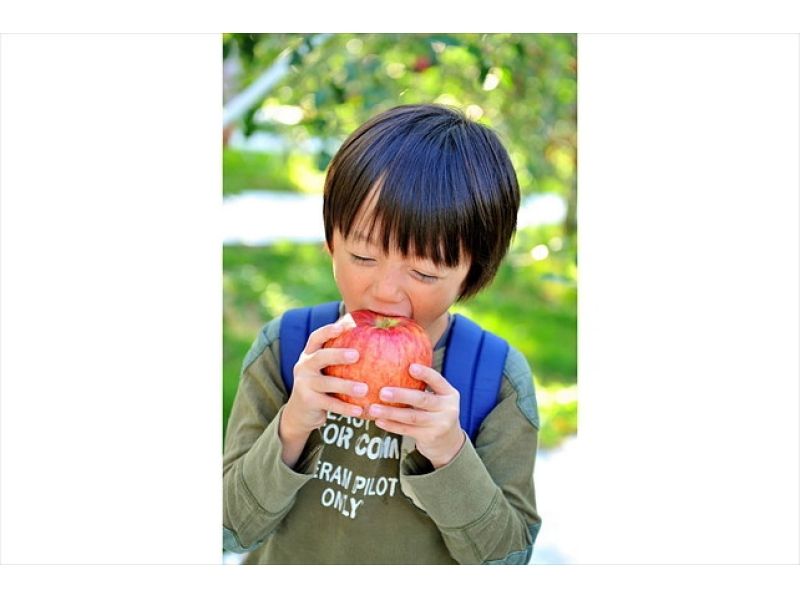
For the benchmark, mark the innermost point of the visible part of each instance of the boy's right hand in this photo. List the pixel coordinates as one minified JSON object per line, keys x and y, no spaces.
{"x":307,"y":407}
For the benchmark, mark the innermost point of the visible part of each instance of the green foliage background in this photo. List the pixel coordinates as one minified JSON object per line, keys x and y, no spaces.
{"x":523,"y":86}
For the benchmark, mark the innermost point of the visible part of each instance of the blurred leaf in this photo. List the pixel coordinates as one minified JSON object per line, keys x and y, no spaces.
{"x":351,"y":77}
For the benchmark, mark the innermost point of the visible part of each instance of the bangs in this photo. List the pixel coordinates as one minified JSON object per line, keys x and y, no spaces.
{"x":410,"y":209}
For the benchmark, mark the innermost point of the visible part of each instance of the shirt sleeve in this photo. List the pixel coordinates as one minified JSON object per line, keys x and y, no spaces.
{"x":259,"y":489}
{"x":483,"y":501}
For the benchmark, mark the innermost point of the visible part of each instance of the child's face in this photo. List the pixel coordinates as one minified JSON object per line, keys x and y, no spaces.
{"x":395,"y":285}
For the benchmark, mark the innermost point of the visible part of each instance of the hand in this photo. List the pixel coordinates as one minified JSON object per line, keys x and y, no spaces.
{"x":309,"y":402}
{"x":432,"y":419}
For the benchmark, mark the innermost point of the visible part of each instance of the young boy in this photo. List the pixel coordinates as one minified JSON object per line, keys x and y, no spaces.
{"x":420,"y":205}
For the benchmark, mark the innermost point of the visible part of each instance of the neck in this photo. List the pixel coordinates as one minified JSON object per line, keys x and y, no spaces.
{"x":437,"y":329}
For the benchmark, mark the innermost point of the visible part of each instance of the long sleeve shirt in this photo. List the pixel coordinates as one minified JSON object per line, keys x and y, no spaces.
{"x":361,"y":495}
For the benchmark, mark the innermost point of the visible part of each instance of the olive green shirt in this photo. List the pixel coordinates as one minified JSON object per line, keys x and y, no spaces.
{"x":361,"y":495}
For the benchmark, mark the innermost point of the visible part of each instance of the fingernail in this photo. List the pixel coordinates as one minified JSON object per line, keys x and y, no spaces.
{"x":386,"y":393}
{"x":415,"y":369}
{"x":356,"y":411}
{"x":351,"y":355}
{"x":359,"y":389}
{"x":375,"y":411}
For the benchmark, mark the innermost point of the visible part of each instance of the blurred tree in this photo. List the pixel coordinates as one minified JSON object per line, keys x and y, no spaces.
{"x":321,"y":87}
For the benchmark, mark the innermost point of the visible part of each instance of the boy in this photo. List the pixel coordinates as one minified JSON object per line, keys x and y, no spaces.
{"x":420,"y":205}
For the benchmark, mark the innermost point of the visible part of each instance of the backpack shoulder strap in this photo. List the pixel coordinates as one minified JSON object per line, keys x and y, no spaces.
{"x":296,"y":326}
{"x":473,"y":364}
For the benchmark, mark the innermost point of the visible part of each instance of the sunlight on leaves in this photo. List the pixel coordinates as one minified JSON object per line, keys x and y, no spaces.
{"x":275,"y":300}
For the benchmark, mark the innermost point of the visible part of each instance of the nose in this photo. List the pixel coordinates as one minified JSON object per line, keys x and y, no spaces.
{"x":387,"y":288}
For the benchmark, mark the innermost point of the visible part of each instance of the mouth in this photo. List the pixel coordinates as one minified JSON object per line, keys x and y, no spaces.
{"x":390,"y":314}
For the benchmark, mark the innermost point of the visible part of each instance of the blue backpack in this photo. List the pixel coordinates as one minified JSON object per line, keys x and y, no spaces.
{"x":473,"y":363}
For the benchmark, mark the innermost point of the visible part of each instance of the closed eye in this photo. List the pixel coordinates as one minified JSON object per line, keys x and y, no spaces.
{"x":361,"y":259}
{"x":421,"y":276}
{"x":425,"y":277}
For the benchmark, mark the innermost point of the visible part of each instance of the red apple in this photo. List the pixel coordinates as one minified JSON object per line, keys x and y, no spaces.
{"x":387,"y":346}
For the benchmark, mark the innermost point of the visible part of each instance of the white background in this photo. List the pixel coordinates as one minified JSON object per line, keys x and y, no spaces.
{"x":111,"y":299}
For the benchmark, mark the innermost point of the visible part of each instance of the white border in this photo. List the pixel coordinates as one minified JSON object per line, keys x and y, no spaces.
{"x":110,"y":361}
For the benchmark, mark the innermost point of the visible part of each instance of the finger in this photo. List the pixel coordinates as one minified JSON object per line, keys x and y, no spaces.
{"x":418,"y":399}
{"x":325,"y":333}
{"x":434,"y":379}
{"x":341,"y":407}
{"x":318,"y":401}
{"x":321,"y":335}
{"x":413,"y":417}
{"x":331,"y":384}
{"x":332,"y":356}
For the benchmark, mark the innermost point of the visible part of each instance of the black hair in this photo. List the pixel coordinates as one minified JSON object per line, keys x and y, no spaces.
{"x":442,"y":185}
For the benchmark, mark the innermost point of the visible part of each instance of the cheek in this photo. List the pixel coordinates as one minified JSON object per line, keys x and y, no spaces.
{"x":346,"y":275}
{"x":434,"y":301}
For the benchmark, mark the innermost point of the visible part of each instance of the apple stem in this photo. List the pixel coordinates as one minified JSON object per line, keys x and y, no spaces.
{"x":387,"y":323}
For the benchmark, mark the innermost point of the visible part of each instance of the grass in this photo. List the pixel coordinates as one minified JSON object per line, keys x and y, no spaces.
{"x":532,"y":303}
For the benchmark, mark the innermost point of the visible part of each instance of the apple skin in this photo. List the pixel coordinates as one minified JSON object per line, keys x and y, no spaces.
{"x":387,"y":346}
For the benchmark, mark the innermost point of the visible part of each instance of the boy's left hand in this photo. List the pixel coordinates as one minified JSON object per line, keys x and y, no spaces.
{"x":432,"y":419}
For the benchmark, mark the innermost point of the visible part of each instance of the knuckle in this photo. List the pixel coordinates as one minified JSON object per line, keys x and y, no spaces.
{"x":302,"y":361}
{"x":300,"y":373}
{"x":313,"y":339}
{"x":297,"y":370}
{"x":425,"y":401}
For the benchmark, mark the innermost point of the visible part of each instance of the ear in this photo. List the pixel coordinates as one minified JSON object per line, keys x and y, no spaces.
{"x":328,"y":249}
